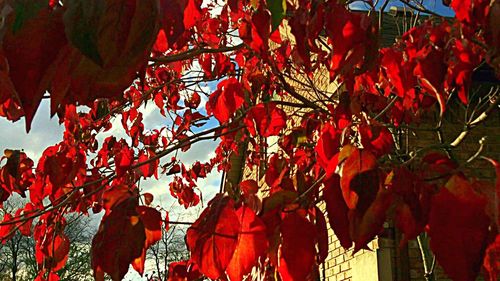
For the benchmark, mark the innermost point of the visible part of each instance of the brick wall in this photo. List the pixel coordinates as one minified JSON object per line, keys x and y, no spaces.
{"x":387,"y":261}
{"x":342,"y":265}
{"x":452,"y":127}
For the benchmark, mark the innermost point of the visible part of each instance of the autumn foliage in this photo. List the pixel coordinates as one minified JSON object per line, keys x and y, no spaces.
{"x":101,"y":60}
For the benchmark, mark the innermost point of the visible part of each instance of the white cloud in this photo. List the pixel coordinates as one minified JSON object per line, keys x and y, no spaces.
{"x":44,"y":132}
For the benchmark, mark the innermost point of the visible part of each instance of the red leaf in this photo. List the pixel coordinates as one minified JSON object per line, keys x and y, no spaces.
{"x":226,"y":99}
{"x":193,"y":101}
{"x":337,"y":211}
{"x":112,"y":31}
{"x":391,"y":62}
{"x":183,"y":271}
{"x":150,"y":169}
{"x":249,"y":187}
{"x":161,"y":43}
{"x":167,"y":222}
{"x":458,"y":229}
{"x":467,"y":56}
{"x":349,"y":33}
{"x":276,"y":170}
{"x":192,"y":13}
{"x":493,"y":37}
{"x":30,"y":51}
{"x":148,"y":198}
{"x":298,"y":248}
{"x":377,"y":139}
{"x":299,"y":29}
{"x":266,"y":119}
{"x":6,"y":230}
{"x":357,"y":182}
{"x":152,"y":221}
{"x":431,"y":71}
{"x":412,"y":202}
{"x":9,"y":103}
{"x":25,"y":226}
{"x":261,"y":29}
{"x":462,"y":8}
{"x":172,"y":20}
{"x":492,"y":259}
{"x":114,"y":196}
{"x":252,"y":244}
{"x":367,"y":220}
{"x":327,"y":149}
{"x":125,"y":34}
{"x":51,"y":248}
{"x":322,"y":230}
{"x":212,"y":239}
{"x":471,"y":11}
{"x":438,"y":164}
{"x":119,"y":241}
{"x":497,"y":190}
{"x":123,"y":160}
{"x":58,"y":252}
{"x":17,"y":174}
{"x":367,"y":199}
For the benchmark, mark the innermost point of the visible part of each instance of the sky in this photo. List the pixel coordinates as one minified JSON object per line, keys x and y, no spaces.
{"x":46,"y":132}
{"x":434,"y":5}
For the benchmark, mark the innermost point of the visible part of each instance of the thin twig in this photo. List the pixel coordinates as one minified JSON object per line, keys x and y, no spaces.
{"x":193,"y":53}
{"x":475,"y":122}
{"x":391,"y":103}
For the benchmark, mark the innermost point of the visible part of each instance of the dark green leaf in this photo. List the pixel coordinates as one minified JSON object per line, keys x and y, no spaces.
{"x":25,"y":10}
{"x":81,"y":23}
{"x":278,"y":11}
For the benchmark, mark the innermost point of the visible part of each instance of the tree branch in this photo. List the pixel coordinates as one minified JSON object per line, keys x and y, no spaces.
{"x":193,"y":53}
{"x":475,"y":122}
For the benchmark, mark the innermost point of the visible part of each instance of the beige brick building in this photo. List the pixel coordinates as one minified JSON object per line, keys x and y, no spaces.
{"x":386,"y":261}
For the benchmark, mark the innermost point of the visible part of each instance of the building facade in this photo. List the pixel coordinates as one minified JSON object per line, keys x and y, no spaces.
{"x":388,"y":260}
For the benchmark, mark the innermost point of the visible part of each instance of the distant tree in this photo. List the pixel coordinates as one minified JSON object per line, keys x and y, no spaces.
{"x":346,"y":145}
{"x":18,"y":256}
{"x":170,"y":248}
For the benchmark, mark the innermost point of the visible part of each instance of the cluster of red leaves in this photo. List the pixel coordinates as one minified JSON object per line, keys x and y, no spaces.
{"x":114,"y":55}
{"x":16,"y":175}
{"x":126,"y":232}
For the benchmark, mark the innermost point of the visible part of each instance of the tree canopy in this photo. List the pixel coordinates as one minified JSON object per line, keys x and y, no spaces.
{"x":302,"y":91}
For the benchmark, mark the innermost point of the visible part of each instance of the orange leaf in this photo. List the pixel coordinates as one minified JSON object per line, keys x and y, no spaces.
{"x":252,"y":244}
{"x":152,"y":221}
{"x":212,"y":239}
{"x":357,"y":179}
